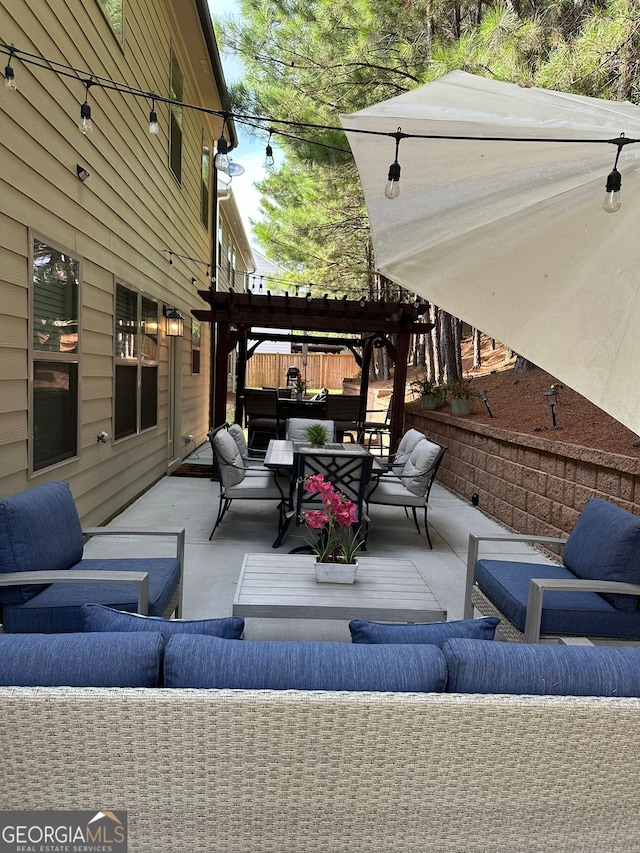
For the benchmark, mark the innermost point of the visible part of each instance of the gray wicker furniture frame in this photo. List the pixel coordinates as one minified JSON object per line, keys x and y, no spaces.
{"x":208,"y":771}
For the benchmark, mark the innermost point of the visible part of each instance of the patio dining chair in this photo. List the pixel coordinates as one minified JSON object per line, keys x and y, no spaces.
{"x":348,"y":471}
{"x":238,"y":482}
{"x":411,"y":486}
{"x":344,"y":410}
{"x":376,"y":433}
{"x":296,"y":428}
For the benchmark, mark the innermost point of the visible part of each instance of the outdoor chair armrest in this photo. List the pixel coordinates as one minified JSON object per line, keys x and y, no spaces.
{"x":178,"y":532}
{"x":141,"y":579}
{"x":538,"y":586}
{"x":474,"y":547}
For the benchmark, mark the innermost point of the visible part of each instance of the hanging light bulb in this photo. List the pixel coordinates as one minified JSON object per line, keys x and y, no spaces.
{"x":269,"y":162}
{"x":154,"y":127}
{"x":85,"y":118}
{"x":85,"y":112}
{"x":9,"y":76}
{"x":392,"y":189}
{"x":612,"y":201}
{"x":222,"y":157}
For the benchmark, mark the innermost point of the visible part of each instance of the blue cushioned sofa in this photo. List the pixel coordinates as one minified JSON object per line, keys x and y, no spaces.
{"x":326,"y":746}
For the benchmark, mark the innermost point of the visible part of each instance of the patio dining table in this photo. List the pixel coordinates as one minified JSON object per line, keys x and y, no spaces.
{"x":280,"y":453}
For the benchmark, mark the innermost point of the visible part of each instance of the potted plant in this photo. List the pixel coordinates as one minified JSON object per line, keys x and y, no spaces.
{"x":316,"y":435}
{"x":429,"y":392}
{"x":335,"y":540}
{"x":300,"y":388}
{"x":460,"y":394}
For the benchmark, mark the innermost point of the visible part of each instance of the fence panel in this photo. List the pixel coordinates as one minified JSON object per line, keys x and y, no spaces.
{"x":323,"y":370}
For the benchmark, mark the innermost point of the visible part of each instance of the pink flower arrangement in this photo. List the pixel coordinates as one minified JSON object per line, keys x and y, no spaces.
{"x":337,"y":542}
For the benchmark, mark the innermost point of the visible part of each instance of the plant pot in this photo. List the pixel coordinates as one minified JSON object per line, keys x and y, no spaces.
{"x":429,"y":401}
{"x":336,"y":572}
{"x":460,"y":406}
{"x":298,"y":395}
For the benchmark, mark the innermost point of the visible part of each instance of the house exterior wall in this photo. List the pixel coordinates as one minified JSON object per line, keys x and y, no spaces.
{"x":118,"y":224}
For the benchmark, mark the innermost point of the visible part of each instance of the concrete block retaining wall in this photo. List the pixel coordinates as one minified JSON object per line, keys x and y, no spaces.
{"x":529,"y":484}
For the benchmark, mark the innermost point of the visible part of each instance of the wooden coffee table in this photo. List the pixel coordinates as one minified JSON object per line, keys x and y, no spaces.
{"x":284,"y":586}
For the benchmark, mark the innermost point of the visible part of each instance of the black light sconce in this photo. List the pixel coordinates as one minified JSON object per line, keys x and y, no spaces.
{"x":82,"y":173}
{"x":175,"y":322}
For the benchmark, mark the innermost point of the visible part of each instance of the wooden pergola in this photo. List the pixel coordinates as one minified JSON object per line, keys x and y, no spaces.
{"x":233,"y":316}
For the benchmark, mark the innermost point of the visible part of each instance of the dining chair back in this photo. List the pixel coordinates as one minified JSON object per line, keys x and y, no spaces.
{"x":296,"y":429}
{"x":345,"y":411}
{"x":374,"y":434}
{"x":261,"y":417}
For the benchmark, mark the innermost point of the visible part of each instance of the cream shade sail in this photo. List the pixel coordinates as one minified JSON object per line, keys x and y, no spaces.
{"x":511,"y":236}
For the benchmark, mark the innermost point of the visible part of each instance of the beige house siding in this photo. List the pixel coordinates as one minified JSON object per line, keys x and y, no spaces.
{"x":117,"y":224}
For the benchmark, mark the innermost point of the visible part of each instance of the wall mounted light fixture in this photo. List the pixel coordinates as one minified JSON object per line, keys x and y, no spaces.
{"x":175,"y":322}
{"x":82,"y":173}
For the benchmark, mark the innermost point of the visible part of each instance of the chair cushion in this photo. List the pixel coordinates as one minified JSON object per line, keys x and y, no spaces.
{"x":506,"y":583}
{"x":296,"y":428}
{"x":39,"y":529}
{"x":409,"y":440}
{"x":433,"y":633}
{"x":98,"y":618}
{"x":541,"y":670}
{"x":236,"y":433}
{"x":230,"y":462}
{"x":417,"y":474}
{"x":605,"y":545}
{"x":80,"y":660}
{"x":207,"y":662}
{"x":58,"y":608}
{"x":390,"y":491}
{"x":257,"y":486}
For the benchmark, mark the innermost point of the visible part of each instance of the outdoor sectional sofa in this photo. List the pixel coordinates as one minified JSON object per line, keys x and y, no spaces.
{"x":261,"y":746}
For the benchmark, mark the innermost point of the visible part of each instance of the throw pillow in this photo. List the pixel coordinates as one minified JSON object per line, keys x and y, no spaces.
{"x":433,"y":633}
{"x":98,"y":618}
{"x":417,"y":471}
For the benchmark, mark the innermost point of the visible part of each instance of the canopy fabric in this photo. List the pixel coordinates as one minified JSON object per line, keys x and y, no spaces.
{"x":510,"y":236}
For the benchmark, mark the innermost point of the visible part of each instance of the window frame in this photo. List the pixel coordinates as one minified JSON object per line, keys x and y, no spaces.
{"x":136,"y":362}
{"x":205,"y":183}
{"x":176,"y":117}
{"x":40,"y":357}
{"x":119,"y":36}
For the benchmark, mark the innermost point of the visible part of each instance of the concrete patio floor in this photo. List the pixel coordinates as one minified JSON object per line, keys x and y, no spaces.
{"x":212,"y":567}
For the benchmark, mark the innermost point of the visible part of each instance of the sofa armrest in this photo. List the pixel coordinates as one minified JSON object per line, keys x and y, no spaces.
{"x":473,"y":550}
{"x":538,"y":586}
{"x":141,"y":579}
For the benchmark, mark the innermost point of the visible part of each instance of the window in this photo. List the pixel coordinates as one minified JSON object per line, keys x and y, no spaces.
{"x":136,"y":362}
{"x":196,"y":331}
{"x":206,"y":182}
{"x":114,"y":13}
{"x":175,"y":114}
{"x":54,"y":355}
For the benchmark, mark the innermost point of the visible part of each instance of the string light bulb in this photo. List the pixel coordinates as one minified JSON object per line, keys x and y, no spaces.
{"x":86,"y":125}
{"x":9,"y":75}
{"x":612,"y":201}
{"x":222,"y":157}
{"x":154,"y":127}
{"x":392,"y":189}
{"x":269,"y":161}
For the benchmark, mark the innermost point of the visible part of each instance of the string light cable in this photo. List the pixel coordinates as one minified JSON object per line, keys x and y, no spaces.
{"x":275,"y":126}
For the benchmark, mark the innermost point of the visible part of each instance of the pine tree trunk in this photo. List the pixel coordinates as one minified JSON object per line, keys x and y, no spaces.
{"x":477,"y":350}
{"x":522,"y":365}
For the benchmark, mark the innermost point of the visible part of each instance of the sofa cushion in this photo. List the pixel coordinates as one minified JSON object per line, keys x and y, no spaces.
{"x":605,"y":545}
{"x":80,"y":660}
{"x":434,"y":633}
{"x":416,"y":473}
{"x":192,"y":661}
{"x":58,"y":608}
{"x":541,"y":670}
{"x":506,"y":583}
{"x":99,"y":619}
{"x":39,"y":529}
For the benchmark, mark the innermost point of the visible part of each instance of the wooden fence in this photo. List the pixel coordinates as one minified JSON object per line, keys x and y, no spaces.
{"x":323,"y":370}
